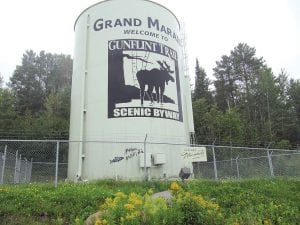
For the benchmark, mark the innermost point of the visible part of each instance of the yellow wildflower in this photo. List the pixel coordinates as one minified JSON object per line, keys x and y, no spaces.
{"x":150,"y":192}
{"x":236,"y":223}
{"x":132,"y":216}
{"x":109,"y":203}
{"x":120,"y":195}
{"x":207,"y":204}
{"x":101,"y":222}
{"x":135,"y":199}
{"x":129,"y":206}
{"x":175,"y":186}
{"x":77,"y":221}
{"x":98,"y":222}
{"x":268,"y":222}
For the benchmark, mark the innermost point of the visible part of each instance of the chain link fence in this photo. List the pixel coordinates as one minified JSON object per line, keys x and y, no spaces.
{"x":14,"y":168}
{"x":24,"y":161}
{"x":227,"y":162}
{"x":48,"y":161}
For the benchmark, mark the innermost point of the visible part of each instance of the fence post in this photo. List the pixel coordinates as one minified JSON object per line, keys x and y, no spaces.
{"x":16,"y":168}
{"x":145,"y":166}
{"x":19,"y":169}
{"x":270,"y":162}
{"x":237,"y":167}
{"x":30,"y":170}
{"x":25,"y":172}
{"x":3,"y":165}
{"x":215,"y":163}
{"x":56,"y":164}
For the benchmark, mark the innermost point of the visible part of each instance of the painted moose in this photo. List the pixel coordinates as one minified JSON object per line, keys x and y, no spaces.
{"x":154,"y":79}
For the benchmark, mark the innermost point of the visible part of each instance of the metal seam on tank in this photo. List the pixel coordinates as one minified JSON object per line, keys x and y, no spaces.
{"x":105,"y":1}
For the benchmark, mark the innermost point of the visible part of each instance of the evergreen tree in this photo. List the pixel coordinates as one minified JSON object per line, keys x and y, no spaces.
{"x":7,"y":109}
{"x":293,"y":130}
{"x":225,"y":84}
{"x":202,"y":85}
{"x":37,"y":102}
{"x":27,"y":84}
{"x":37,"y":77}
{"x":1,"y":81}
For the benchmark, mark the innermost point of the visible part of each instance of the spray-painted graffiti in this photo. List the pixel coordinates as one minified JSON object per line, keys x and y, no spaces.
{"x":133,"y":152}
{"x":116,"y":159}
{"x":129,"y":153}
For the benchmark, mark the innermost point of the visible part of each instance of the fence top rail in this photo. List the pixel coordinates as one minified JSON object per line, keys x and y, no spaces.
{"x":34,"y":140}
{"x":70,"y":141}
{"x":149,"y":142}
{"x":253,"y":148}
{"x":50,"y":163}
{"x":254,"y":157}
{"x":92,"y":141}
{"x":297,"y":153}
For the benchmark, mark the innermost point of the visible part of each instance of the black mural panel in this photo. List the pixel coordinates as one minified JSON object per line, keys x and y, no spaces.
{"x":143,"y":80}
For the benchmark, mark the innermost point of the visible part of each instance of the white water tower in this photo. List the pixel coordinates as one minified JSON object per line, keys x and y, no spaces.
{"x":128,"y":82}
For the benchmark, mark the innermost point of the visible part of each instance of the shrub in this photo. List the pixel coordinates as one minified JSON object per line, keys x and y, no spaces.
{"x":135,"y":209}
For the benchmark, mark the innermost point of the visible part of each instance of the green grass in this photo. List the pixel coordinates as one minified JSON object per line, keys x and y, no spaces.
{"x":245,"y":201}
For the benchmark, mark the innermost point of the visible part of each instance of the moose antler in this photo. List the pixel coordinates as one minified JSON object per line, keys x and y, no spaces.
{"x":164,"y":66}
{"x":161,"y":65}
{"x":167,"y":67}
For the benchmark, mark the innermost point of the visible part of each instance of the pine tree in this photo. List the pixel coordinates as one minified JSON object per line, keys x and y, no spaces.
{"x":202,"y":85}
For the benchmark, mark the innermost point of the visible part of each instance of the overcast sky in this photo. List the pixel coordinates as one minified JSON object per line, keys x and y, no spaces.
{"x":213,"y":29}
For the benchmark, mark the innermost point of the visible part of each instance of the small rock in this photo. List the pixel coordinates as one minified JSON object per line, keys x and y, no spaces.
{"x":163,"y":194}
{"x":92,"y":218}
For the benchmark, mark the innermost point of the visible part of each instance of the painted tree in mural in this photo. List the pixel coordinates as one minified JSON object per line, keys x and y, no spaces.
{"x":119,"y":92}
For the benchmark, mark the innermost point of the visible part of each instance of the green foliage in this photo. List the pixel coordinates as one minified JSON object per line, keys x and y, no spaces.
{"x":184,"y":208}
{"x":294,"y":100}
{"x":202,"y":85}
{"x":7,"y":109}
{"x":200,"y":109}
{"x":27,"y":85}
{"x":232,"y":127}
{"x":245,"y":202}
{"x":266,"y":107}
{"x":211,"y":124}
{"x":255,"y":201}
{"x":1,"y":81}
{"x":283,"y":144}
{"x":37,"y":77}
{"x":58,"y":104}
{"x":36,"y":104}
{"x":39,"y":202}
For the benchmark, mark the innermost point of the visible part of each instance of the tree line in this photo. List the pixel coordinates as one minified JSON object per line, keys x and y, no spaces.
{"x":245,"y":103}
{"x":36,"y":102}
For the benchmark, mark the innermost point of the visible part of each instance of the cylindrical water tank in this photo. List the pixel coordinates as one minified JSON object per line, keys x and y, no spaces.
{"x":128,"y":83}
